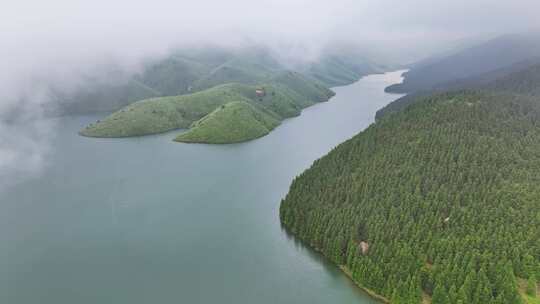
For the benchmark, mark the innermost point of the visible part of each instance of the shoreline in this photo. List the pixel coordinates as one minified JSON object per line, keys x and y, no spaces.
{"x":83,"y":132}
{"x":368,"y":291}
{"x":343,"y":269}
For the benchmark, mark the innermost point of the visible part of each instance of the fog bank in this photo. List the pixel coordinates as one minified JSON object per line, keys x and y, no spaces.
{"x":60,"y":43}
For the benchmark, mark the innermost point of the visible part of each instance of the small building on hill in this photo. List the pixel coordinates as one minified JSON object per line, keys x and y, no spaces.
{"x":260,"y":92}
{"x":364,"y":247}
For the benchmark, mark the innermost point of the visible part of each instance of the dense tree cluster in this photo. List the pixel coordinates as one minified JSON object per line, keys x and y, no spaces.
{"x":446,"y":194}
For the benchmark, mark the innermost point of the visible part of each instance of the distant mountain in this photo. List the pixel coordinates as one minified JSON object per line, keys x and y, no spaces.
{"x":525,"y":82}
{"x":337,"y":70}
{"x":495,"y":54}
{"x":249,"y":66}
{"x":226,"y":113}
{"x":522,"y":77}
{"x":97,"y":97}
{"x":192,"y":70}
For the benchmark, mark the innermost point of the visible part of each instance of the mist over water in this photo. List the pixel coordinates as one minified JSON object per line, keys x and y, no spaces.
{"x":147,"y":220}
{"x":56,"y":46}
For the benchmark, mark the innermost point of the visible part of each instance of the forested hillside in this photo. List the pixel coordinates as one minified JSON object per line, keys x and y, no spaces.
{"x":436,"y":203}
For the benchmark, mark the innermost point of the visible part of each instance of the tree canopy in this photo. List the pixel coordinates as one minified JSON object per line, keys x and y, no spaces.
{"x":446,"y":193}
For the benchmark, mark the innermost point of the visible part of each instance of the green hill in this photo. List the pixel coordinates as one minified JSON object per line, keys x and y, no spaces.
{"x":191,"y":70}
{"x":332,"y":71}
{"x":284,"y":97}
{"x":202,"y":81}
{"x":163,"y":114}
{"x":174,"y":75}
{"x":227,"y":74}
{"x":339,"y":70}
{"x":233,"y":122}
{"x":443,"y":196}
{"x":311,"y":90}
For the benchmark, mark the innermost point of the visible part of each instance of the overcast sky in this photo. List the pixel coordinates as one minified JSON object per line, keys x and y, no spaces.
{"x":44,"y":42}
{"x":46,"y":38}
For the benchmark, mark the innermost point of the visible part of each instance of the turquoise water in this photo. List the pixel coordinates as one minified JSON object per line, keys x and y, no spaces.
{"x":147,"y":220}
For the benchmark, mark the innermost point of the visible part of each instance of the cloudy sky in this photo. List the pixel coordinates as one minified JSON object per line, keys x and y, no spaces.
{"x":64,"y":30}
{"x":47,"y":38}
{"x":56,"y":41}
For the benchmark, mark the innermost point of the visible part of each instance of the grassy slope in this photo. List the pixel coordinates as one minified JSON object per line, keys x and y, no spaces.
{"x":164,"y":113}
{"x":527,"y":299}
{"x":233,"y":122}
{"x":531,"y":300}
{"x":281,"y":100}
{"x":287,"y":92}
{"x":286,"y":95}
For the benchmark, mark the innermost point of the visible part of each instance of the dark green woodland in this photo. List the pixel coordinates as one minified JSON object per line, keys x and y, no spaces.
{"x":438,"y":202}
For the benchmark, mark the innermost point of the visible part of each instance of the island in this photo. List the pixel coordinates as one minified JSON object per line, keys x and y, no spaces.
{"x":248,"y":111}
{"x":220,"y":97}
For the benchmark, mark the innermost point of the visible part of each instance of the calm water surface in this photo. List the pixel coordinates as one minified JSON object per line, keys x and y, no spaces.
{"x":147,"y":220}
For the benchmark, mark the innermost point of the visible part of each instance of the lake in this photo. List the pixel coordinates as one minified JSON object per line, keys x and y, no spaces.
{"x":148,"y":220}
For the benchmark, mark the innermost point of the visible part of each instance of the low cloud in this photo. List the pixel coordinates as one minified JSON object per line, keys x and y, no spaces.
{"x":59,"y":43}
